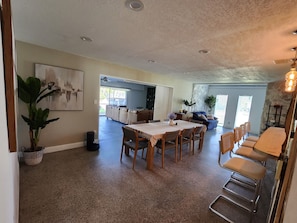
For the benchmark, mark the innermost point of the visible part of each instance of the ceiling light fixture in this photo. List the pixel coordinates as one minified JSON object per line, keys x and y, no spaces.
{"x":291,"y":76}
{"x":85,"y":38}
{"x":135,"y":5}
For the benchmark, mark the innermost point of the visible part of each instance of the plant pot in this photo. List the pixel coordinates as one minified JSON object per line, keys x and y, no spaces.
{"x":33,"y":157}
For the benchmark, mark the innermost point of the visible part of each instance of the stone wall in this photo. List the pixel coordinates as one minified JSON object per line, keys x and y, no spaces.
{"x":275,"y":95}
{"x":199,"y":94}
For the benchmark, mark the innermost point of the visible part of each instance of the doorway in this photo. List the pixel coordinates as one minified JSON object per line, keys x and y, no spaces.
{"x":243,"y":110}
{"x":220,"y":108}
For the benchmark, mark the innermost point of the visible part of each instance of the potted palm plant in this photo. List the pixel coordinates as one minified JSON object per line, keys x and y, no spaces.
{"x":210,"y":101}
{"x":30,"y":91}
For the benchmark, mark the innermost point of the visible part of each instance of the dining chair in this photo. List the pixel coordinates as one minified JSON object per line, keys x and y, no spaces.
{"x":248,"y":152}
{"x":152,"y":121}
{"x":198,"y":135}
{"x":185,"y":138}
{"x":169,"y":140}
{"x":139,"y":122}
{"x":251,"y":175}
{"x":132,"y":141}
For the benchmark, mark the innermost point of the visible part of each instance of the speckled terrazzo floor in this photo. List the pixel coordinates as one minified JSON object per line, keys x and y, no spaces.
{"x":81,"y":186}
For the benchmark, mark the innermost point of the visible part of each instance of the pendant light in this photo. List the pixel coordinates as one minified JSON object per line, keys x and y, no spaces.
{"x":291,"y":76}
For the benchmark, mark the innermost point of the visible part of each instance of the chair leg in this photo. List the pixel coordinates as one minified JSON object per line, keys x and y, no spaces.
{"x":163,"y":154}
{"x":122,"y":152}
{"x":176,"y":148}
{"x":180,"y":150}
{"x":134,"y":159}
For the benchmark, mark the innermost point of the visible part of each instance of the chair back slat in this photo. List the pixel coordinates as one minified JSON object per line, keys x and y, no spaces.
{"x":243,"y":130}
{"x":227,"y":142}
{"x":187,"y":133}
{"x":198,"y":130}
{"x":247,"y":127}
{"x":152,"y":121}
{"x":171,"y":136}
{"x":237,"y":134}
{"x":129,"y":134}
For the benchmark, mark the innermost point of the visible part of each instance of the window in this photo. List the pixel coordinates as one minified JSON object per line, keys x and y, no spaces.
{"x":112,"y":96}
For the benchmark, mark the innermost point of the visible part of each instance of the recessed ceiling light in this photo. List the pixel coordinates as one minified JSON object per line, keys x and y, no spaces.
{"x":204,"y":51}
{"x":85,"y":38}
{"x":135,"y":5}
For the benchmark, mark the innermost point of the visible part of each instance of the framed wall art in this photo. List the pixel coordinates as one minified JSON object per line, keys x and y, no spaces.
{"x":69,"y":83}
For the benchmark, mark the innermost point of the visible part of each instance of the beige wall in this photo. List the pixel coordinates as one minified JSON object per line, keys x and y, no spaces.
{"x":73,"y":125}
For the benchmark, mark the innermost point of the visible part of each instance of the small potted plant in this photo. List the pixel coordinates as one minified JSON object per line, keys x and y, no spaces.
{"x":171,"y":117}
{"x":30,"y":91}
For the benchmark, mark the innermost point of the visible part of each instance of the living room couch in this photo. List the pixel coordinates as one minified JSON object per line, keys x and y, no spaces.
{"x":209,"y":120}
{"x":128,"y":116}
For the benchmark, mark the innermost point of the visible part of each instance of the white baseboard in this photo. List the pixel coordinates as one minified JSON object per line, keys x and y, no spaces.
{"x":52,"y":149}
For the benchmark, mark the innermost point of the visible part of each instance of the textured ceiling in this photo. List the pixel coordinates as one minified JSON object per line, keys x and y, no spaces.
{"x":243,"y":36}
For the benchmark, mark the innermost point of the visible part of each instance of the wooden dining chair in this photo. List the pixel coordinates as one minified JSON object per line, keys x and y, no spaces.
{"x":251,"y":174}
{"x":139,"y":122}
{"x":185,"y":138}
{"x":152,"y":121}
{"x":131,"y":141}
{"x":168,"y":141}
{"x":198,"y":135}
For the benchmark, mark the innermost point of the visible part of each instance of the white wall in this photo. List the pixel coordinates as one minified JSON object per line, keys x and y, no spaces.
{"x":66,"y":131}
{"x":233,"y":92}
{"x":9,"y":166}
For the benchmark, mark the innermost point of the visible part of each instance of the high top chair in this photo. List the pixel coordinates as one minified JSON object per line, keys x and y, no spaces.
{"x":248,"y":129}
{"x":245,"y":142}
{"x":249,"y":170}
{"x":248,"y":152}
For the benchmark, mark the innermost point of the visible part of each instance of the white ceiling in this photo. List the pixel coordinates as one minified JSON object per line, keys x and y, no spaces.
{"x":243,"y":36}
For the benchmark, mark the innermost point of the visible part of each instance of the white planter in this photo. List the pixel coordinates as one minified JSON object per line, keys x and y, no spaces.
{"x":171,"y":122}
{"x":33,"y":158}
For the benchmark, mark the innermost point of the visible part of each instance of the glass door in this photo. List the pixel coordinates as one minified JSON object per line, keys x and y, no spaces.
{"x":243,"y":110}
{"x":220,"y":108}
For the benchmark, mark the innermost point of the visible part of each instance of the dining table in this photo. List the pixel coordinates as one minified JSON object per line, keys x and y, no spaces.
{"x":154,"y":132}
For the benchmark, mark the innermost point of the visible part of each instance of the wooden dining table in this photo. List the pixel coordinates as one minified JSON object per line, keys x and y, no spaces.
{"x":154,"y":131}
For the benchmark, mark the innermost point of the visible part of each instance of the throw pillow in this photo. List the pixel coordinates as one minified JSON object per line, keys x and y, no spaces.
{"x":203,"y":117}
{"x":210,"y":117}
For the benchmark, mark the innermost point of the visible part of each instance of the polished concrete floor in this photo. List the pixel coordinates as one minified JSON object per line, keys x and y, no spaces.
{"x":94,"y":186}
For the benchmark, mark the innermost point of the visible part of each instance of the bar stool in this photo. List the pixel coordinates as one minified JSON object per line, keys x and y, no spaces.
{"x":251,"y":171}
